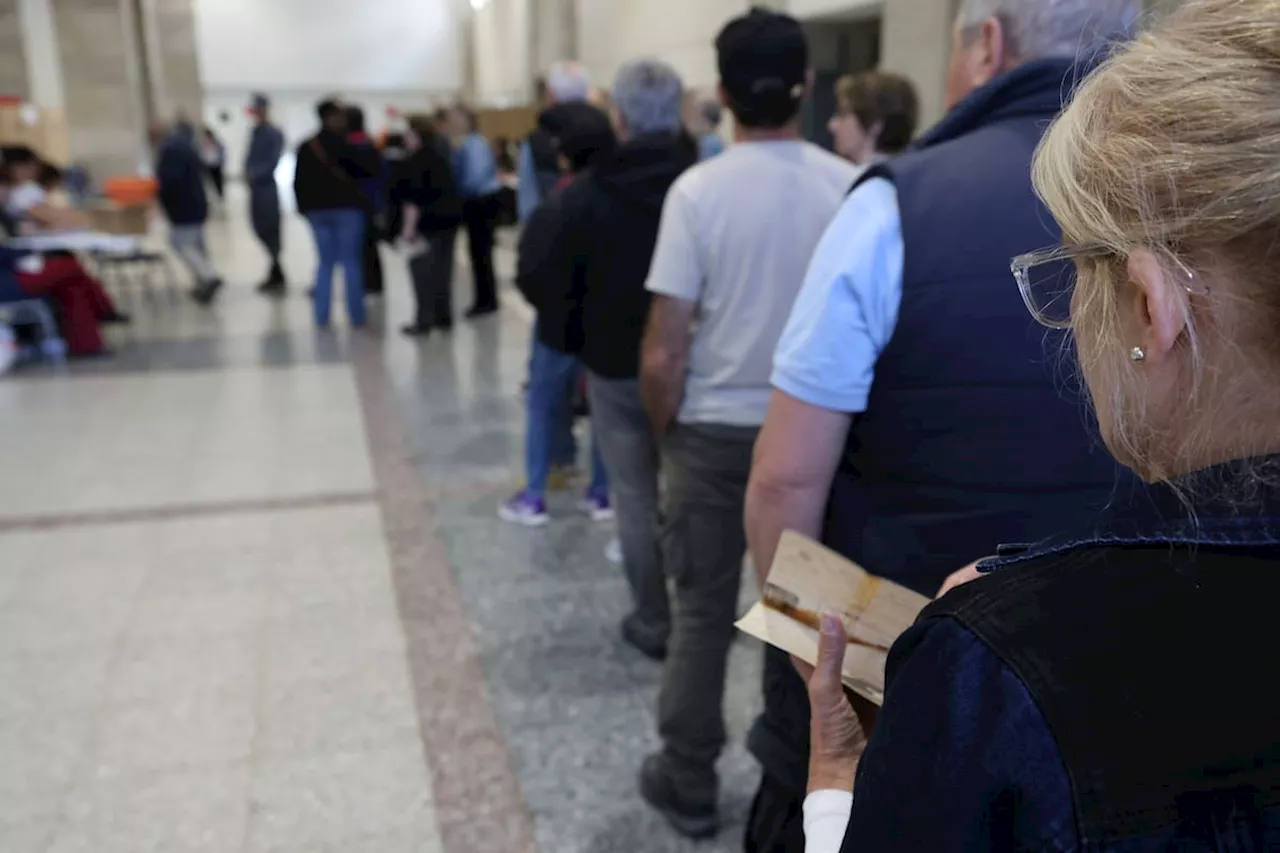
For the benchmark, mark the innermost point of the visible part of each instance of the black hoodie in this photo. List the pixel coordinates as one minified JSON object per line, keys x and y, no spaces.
{"x":609,"y":225}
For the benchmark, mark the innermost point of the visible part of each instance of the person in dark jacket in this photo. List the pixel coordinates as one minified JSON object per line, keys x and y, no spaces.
{"x":374,"y":188}
{"x":541,"y":276}
{"x":329,"y":196}
{"x":180,"y":173}
{"x":610,"y":220}
{"x":1113,"y":687}
{"x":536,"y":166}
{"x":266,"y":146}
{"x":431,"y":206}
{"x":912,"y":396}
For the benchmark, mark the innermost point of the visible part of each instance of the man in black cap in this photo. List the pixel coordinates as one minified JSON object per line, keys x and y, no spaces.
{"x":735,"y":239}
{"x":266,"y":145}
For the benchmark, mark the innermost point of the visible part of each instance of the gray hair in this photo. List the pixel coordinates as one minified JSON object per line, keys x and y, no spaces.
{"x":568,"y":81}
{"x":649,"y":95}
{"x":1042,"y":29}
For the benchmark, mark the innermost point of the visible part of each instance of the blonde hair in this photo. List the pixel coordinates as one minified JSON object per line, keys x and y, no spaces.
{"x":1173,"y":145}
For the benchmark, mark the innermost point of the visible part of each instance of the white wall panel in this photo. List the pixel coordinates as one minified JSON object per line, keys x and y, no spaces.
{"x":367,"y":45}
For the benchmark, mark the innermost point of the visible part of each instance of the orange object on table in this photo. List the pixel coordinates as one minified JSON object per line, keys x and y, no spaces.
{"x":129,"y":191}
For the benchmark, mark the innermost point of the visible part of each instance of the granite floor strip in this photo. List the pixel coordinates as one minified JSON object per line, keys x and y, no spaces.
{"x":477,"y":798}
{"x":9,"y":524}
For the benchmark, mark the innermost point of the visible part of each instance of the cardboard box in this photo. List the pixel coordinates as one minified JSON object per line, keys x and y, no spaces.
{"x":111,"y":218}
{"x":42,"y":130}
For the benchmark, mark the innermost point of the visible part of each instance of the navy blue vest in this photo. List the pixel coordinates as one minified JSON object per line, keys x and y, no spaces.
{"x":975,"y":432}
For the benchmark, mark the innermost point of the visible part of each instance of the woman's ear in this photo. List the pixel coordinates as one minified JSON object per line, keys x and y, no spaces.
{"x":1160,"y":305}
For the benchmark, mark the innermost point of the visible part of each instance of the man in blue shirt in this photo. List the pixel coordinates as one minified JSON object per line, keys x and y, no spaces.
{"x":477,"y":174}
{"x":918,"y":416}
{"x":266,"y":145}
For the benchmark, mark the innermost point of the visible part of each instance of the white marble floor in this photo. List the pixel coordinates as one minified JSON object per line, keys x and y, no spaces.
{"x":200,"y":648}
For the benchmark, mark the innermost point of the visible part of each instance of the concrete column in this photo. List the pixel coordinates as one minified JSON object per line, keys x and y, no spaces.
{"x":44,"y":62}
{"x":102,"y":74}
{"x":173,"y":68}
{"x":14,"y":79}
{"x":916,"y":41}
{"x":554,"y":31}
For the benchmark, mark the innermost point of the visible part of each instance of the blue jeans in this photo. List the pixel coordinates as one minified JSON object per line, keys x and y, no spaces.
{"x":339,"y":240}
{"x":552,"y":375}
{"x":564,"y":447}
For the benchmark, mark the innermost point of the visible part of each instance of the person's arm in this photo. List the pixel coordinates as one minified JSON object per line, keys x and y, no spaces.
{"x":790,"y":478}
{"x":664,"y":359}
{"x":823,"y":368}
{"x":412,"y":215}
{"x":543,"y":267}
{"x":676,"y":280}
{"x":962,"y":758}
{"x":50,"y":218}
{"x":528,"y":192}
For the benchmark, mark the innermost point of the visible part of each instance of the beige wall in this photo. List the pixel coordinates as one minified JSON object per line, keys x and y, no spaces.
{"x":102,"y":84}
{"x":682,"y":32}
{"x":915,"y":40}
{"x":13,"y":58}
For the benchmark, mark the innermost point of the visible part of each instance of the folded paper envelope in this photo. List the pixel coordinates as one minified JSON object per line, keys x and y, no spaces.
{"x":807,"y":579}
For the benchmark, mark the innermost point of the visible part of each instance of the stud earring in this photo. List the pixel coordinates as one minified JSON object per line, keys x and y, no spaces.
{"x":1137,"y":354}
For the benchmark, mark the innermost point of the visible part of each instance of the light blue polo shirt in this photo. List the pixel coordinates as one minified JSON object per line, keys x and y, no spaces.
{"x":847,"y":308}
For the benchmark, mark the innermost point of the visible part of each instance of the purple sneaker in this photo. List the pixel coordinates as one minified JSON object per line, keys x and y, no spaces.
{"x":596,"y":505}
{"x":524,"y":508}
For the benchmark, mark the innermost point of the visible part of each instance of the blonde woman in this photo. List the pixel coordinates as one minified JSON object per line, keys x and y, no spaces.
{"x":1114,"y":689}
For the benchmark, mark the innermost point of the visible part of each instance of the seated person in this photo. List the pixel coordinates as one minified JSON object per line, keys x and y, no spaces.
{"x":81,"y":302}
{"x":29,"y":204}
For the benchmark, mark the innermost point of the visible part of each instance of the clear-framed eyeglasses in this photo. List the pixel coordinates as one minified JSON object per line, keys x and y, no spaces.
{"x":1047,"y":280}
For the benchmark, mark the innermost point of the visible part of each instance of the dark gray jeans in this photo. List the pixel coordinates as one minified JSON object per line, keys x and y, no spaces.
{"x":631,"y":456}
{"x":706,"y":468}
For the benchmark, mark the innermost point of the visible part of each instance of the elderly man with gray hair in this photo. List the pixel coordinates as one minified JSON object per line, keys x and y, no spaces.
{"x":919,"y":419}
{"x":566,"y":83}
{"x":608,"y":226}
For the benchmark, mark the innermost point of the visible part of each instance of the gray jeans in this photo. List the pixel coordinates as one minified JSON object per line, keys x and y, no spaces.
{"x":188,"y":242}
{"x":631,"y":456}
{"x":706,"y":468}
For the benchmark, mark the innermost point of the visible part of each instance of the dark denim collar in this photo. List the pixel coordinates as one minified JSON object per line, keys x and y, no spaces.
{"x":1233,"y":506}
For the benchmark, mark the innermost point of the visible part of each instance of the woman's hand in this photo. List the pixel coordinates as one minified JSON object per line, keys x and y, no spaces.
{"x":836,"y":739}
{"x":958,"y":578}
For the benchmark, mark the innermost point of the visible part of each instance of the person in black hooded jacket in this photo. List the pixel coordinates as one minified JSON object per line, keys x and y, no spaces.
{"x":608,"y":227}
{"x":541,"y":275}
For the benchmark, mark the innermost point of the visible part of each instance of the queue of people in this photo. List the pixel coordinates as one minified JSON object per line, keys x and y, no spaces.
{"x":880,"y":352}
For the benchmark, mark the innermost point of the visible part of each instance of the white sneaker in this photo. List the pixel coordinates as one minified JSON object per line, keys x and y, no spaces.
{"x":613,"y":551}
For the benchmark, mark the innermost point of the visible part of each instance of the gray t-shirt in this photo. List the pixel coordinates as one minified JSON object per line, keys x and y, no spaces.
{"x":736,"y":236}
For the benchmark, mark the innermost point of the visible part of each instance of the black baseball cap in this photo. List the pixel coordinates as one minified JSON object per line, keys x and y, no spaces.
{"x":763,"y":59}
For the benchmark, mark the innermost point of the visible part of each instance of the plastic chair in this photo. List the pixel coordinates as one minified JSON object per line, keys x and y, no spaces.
{"x":36,"y":312}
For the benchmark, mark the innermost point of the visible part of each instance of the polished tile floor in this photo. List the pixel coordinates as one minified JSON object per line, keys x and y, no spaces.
{"x":254,"y":597}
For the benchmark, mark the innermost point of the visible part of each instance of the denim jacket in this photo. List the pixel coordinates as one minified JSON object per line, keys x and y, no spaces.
{"x":1107,"y":690}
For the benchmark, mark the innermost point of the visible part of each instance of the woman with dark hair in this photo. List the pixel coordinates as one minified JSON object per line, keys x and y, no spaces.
{"x":477,"y":175}
{"x":875,"y":118}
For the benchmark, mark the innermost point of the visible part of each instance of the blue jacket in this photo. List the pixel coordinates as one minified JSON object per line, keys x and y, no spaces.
{"x":975,"y":432}
{"x":180,"y":172}
{"x":266,"y":147}
{"x":1108,"y":690}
